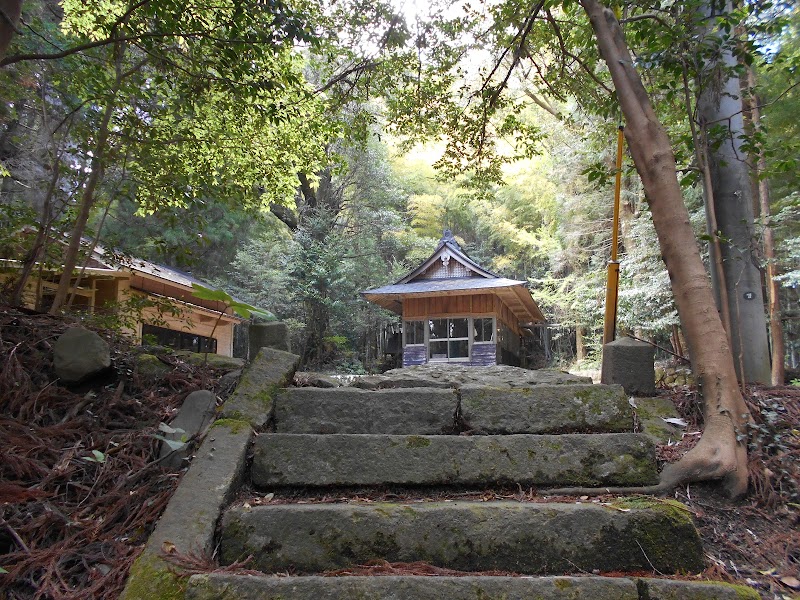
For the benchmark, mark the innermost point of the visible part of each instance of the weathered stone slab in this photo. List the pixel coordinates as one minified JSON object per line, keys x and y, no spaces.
{"x":531,"y":538}
{"x":350,"y":410}
{"x":317,"y":380}
{"x":546,"y":409}
{"x":190,"y":519}
{"x":538,"y":460}
{"x":214,"y":586}
{"x":667,"y":589}
{"x":399,"y":380}
{"x":194,"y":416}
{"x":253,"y":397}
{"x":78,"y":354}
{"x":455,"y":375}
{"x":629,"y":363}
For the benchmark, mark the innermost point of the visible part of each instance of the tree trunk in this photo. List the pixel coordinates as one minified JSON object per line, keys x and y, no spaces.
{"x":721,"y":452}
{"x":773,"y":293}
{"x":87,"y":202}
{"x":720,"y":104}
{"x":88,"y":196}
{"x":580,"y":343}
{"x":10,"y":11}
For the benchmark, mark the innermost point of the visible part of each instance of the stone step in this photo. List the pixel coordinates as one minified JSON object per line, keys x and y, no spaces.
{"x":214,"y":586}
{"x":520,"y":537}
{"x":546,"y":409}
{"x":351,"y":410}
{"x":427,"y":411}
{"x":592,"y":460}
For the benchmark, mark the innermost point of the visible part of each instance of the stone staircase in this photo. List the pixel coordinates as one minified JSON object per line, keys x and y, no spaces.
{"x":347,"y":442}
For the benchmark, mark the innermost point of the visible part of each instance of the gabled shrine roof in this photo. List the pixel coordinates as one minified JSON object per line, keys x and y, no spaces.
{"x":449,"y":272}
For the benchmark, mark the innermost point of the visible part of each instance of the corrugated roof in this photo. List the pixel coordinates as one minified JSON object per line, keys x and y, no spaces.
{"x":422,"y":286}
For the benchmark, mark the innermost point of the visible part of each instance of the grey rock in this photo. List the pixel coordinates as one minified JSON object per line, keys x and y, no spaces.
{"x":228,"y":382}
{"x":215,"y":585}
{"x":195,"y":414}
{"x":318,"y":380}
{"x":546,"y":409}
{"x":400,"y":380}
{"x":531,"y":538}
{"x":349,"y":410}
{"x":630,"y":363}
{"x":539,"y":460}
{"x":273,"y":334}
{"x":79,"y":354}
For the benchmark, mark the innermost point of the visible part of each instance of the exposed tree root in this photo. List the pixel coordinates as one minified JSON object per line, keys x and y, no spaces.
{"x":717,"y":456}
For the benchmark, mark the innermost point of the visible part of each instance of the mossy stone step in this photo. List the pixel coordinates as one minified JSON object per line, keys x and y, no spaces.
{"x":426,"y":411}
{"x":546,"y":409}
{"x":220,"y":586}
{"x":531,"y":538}
{"x":608,"y":459}
{"x":351,"y":410}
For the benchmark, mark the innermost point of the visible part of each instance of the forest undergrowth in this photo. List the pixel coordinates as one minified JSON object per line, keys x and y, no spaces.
{"x":81,"y":486}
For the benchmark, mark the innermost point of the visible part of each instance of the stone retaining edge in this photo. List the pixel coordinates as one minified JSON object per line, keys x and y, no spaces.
{"x":242,"y":587}
{"x":190,"y":519}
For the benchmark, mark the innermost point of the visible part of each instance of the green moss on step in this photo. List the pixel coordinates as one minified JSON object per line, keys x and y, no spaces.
{"x":742,"y":592}
{"x":417,"y":441}
{"x":563,"y":584}
{"x":235,"y":425}
{"x":151,"y":579}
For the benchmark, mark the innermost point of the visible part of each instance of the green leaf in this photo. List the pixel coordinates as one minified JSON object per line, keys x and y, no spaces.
{"x":245,"y":310}
{"x":167,"y":429}
{"x":173,"y":444}
{"x":97,"y":457}
{"x":205,"y":293}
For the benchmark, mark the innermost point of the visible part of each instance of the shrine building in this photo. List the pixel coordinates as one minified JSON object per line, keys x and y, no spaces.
{"x":454,"y":310}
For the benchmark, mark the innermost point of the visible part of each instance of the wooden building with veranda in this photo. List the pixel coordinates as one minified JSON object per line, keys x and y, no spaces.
{"x":454,"y":310}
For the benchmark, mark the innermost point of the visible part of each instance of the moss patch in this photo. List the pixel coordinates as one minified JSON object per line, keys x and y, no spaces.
{"x":417,"y":441}
{"x":151,"y":579}
{"x":235,"y":425}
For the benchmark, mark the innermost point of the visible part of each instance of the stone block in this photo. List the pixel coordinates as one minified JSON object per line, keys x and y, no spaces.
{"x":578,"y":408}
{"x":274,"y":334}
{"x":215,"y":586}
{"x":629,"y":363}
{"x":523,"y":537}
{"x":600,"y":459}
{"x":351,"y":410}
{"x":194,"y":416}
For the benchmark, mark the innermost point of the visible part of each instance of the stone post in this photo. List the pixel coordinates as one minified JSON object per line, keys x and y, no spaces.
{"x":273,"y":334}
{"x":629,"y":363}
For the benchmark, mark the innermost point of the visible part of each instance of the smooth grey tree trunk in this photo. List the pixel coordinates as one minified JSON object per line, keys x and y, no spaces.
{"x":720,"y":104}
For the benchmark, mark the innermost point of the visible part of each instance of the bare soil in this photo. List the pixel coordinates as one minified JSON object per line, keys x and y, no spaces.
{"x":72,"y":521}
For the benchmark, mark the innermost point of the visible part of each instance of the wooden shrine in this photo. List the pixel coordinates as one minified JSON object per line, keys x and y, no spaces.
{"x":454,"y":310}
